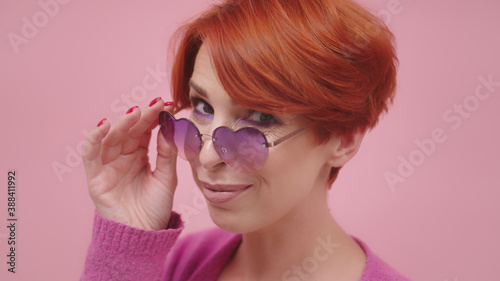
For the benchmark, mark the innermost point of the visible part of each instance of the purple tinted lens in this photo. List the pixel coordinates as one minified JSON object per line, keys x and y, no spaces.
{"x":182,"y":136}
{"x":244,"y":150}
{"x":167,"y":129}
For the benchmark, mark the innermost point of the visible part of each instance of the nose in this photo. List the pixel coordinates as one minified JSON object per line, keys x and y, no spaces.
{"x":208,"y":157}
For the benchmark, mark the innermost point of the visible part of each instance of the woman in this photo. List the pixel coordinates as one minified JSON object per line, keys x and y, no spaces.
{"x":280,"y":94}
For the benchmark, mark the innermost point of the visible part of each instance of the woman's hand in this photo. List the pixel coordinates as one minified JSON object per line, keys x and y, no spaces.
{"x":119,"y":175}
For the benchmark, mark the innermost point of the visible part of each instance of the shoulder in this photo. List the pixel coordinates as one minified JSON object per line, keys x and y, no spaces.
{"x":201,"y":253}
{"x":376,"y":269}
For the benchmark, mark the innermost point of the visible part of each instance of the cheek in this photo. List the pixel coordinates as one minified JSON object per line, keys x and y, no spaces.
{"x":289,"y":156}
{"x":284,"y":184}
{"x":194,"y":167}
{"x":289,"y":166}
{"x":294,"y":165}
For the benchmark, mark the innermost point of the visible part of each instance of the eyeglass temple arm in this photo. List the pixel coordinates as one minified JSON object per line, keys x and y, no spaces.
{"x":278,"y":141}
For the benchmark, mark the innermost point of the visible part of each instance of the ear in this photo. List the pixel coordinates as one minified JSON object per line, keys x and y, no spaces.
{"x":344,"y":147}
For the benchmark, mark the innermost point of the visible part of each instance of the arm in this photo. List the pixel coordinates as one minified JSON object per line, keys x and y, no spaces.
{"x":134,"y":224}
{"x":121,"y":252}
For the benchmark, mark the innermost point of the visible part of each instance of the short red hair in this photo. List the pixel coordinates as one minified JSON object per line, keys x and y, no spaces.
{"x":330,"y":61}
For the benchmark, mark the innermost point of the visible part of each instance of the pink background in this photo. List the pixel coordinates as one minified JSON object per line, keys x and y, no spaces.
{"x":440,"y":221}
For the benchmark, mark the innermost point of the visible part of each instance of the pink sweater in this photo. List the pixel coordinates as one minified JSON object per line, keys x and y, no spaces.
{"x":121,"y":252}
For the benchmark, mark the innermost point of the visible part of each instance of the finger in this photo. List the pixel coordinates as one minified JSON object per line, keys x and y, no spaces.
{"x":112,"y":143}
{"x":145,"y":141}
{"x":140,"y":133}
{"x":92,"y":151}
{"x":166,"y":160}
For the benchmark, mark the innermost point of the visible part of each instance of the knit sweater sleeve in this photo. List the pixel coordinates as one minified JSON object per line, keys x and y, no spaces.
{"x":121,"y":252}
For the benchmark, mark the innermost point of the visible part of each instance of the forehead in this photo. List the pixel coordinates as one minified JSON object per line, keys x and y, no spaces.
{"x":205,"y":82}
{"x":204,"y":79}
{"x":204,"y":68}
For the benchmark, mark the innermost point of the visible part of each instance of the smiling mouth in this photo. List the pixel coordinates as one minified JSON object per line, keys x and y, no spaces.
{"x":225,"y":187}
{"x":222,"y":193}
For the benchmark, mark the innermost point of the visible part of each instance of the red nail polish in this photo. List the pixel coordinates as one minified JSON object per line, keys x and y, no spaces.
{"x":169,"y":103}
{"x":100,"y":123}
{"x":154,"y":101}
{"x":131,"y":109}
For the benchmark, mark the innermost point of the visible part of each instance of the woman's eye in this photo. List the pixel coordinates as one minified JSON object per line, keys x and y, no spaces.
{"x":201,"y":107}
{"x":263,"y":119}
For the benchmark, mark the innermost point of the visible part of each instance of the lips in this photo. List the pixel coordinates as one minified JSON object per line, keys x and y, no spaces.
{"x":221,"y":193}
{"x":224,"y":187}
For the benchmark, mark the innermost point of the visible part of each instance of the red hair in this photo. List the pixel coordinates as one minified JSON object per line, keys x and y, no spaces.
{"x":330,"y":61}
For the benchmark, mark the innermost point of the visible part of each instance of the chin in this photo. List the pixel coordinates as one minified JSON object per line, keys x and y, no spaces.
{"x":230,"y":221}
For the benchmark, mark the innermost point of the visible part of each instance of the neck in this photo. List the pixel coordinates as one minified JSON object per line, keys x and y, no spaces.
{"x":306,"y":243}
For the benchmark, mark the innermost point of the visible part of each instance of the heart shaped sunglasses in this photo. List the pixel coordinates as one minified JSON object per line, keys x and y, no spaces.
{"x":245,"y":150}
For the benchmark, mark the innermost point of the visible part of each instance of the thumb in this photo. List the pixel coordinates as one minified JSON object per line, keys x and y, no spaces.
{"x":166,"y":163}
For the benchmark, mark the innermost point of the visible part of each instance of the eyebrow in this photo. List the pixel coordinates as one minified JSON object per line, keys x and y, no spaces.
{"x":202,"y":92}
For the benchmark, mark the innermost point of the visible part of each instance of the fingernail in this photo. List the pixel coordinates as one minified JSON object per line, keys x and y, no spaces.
{"x":102,"y":121}
{"x":154,"y":101}
{"x":169,"y":103}
{"x":131,"y":109}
